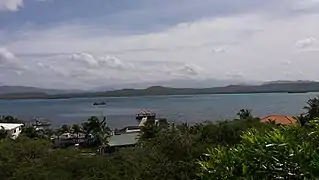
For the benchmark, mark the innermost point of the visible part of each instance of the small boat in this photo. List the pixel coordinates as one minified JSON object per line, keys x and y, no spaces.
{"x":40,"y":122}
{"x":99,"y":103}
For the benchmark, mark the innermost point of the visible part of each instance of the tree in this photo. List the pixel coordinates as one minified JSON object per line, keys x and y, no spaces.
{"x":149,"y":130}
{"x":91,"y":125}
{"x":98,"y":129}
{"x":244,"y":114}
{"x":64,"y":129}
{"x":76,"y":129}
{"x":3,"y":133}
{"x":94,"y":125}
{"x":282,"y":153}
{"x":10,"y":119}
{"x":102,"y":134}
{"x":302,"y":119}
{"x":312,"y":108}
{"x":30,"y":132}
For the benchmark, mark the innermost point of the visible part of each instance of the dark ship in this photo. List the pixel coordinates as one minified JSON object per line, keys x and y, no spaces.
{"x":99,"y":103}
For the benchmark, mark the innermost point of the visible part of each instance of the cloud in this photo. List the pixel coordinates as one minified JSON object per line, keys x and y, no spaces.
{"x":286,"y":62}
{"x":249,"y":44}
{"x":307,"y":42}
{"x":189,"y":69}
{"x":86,"y":58}
{"x":235,"y":75}
{"x":10,"y":5}
{"x":220,"y":49}
{"x":110,"y":62}
{"x":52,"y":71}
{"x":114,"y":62}
{"x":9,"y":61}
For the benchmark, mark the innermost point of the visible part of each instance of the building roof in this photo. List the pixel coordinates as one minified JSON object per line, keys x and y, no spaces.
{"x":9,"y":126}
{"x":279,"y":119}
{"x":123,"y":139}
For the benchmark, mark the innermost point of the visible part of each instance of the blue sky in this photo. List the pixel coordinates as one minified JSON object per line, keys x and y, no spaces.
{"x":89,"y":43}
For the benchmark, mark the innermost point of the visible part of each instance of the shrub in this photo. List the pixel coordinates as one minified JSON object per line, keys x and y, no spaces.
{"x":283,"y":153}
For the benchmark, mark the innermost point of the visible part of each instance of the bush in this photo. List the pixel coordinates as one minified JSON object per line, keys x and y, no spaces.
{"x":282,"y":153}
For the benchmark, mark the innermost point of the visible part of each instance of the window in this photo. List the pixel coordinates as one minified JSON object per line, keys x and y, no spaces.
{"x":15,"y":130}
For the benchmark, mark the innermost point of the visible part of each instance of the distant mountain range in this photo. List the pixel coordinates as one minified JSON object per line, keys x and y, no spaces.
{"x":177,"y":83}
{"x":270,"y":87}
{"x":289,"y":82}
{"x":32,"y":90}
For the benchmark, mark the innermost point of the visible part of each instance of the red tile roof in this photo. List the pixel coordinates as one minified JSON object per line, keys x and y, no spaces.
{"x":279,"y":119}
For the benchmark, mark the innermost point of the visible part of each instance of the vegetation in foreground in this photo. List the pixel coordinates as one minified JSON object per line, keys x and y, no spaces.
{"x":238,"y":149}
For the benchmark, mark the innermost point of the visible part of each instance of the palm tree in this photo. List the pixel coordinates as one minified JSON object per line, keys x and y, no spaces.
{"x":312,"y":108}
{"x":94,"y":125}
{"x":91,"y":125}
{"x":244,"y":114}
{"x":98,"y":128}
{"x":302,"y":119}
{"x":76,"y":129}
{"x":64,"y":129}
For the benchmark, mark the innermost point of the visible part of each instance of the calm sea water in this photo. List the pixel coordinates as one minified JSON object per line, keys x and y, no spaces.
{"x":190,"y":109}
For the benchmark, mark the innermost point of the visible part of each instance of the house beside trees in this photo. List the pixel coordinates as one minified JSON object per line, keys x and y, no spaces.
{"x":12,"y":130}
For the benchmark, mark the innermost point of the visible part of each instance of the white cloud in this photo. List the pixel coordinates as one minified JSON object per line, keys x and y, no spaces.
{"x":52,"y":71}
{"x":86,"y":58}
{"x":235,"y":74}
{"x":110,"y":62}
{"x":114,"y":62}
{"x":10,"y":5}
{"x":304,"y":43}
{"x":256,"y":46}
{"x":220,"y":49}
{"x":189,"y":69}
{"x":9,"y":61}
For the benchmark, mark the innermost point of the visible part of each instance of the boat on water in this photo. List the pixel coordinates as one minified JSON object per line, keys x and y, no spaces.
{"x":40,"y":122}
{"x":99,"y":103}
{"x":145,"y":114}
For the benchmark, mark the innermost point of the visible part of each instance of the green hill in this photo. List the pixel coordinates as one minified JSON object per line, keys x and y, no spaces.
{"x":287,"y":87}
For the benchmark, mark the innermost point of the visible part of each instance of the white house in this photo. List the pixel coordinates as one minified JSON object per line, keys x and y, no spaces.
{"x":13,"y":129}
{"x":66,"y":136}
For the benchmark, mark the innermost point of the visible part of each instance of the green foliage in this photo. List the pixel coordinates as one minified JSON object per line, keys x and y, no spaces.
{"x":282,"y":153}
{"x":149,"y":130}
{"x":65,"y":129}
{"x":173,"y":152}
{"x":3,"y":133}
{"x":239,"y":149}
{"x":98,"y":129}
{"x":30,"y":132}
{"x":312,"y":111}
{"x":244,"y":114}
{"x":10,"y":119}
{"x":76,"y":128}
{"x":164,"y":153}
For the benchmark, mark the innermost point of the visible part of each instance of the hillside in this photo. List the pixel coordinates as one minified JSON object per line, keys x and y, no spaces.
{"x":33,"y":90}
{"x":294,"y":87}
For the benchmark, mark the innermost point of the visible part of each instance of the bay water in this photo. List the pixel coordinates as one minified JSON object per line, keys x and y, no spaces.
{"x":190,"y":109}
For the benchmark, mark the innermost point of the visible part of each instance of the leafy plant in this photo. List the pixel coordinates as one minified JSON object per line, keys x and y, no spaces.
{"x":281,"y":153}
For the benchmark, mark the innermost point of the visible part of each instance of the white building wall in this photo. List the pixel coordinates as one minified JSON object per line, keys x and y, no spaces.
{"x":14,"y":133}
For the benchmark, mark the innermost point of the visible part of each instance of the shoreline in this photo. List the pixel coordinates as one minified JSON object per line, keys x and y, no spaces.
{"x":77,"y":96}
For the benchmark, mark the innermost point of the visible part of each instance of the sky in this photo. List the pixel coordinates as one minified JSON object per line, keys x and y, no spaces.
{"x":82,"y":44}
